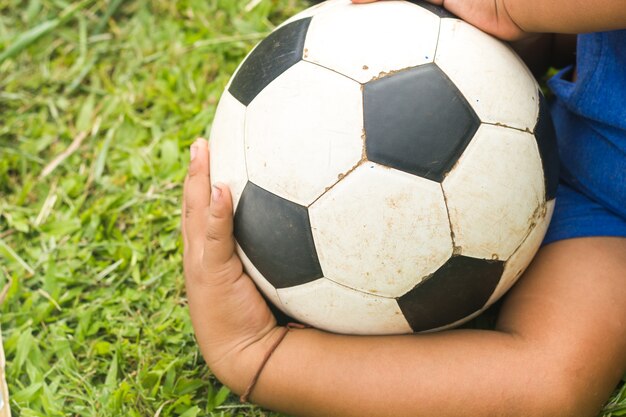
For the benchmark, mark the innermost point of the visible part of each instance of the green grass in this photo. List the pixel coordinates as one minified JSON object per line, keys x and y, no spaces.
{"x":99,"y":102}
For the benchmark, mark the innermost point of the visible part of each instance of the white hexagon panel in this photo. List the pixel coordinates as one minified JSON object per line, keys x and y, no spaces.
{"x":339,"y":309}
{"x":296,"y":146}
{"x":495,"y":193}
{"x":373,"y":52}
{"x":315,"y":10}
{"x":227,"y":141}
{"x":381,"y":230}
{"x":493,"y":79}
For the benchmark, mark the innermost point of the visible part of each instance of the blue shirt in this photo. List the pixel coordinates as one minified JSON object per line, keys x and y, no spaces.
{"x":590,"y":121}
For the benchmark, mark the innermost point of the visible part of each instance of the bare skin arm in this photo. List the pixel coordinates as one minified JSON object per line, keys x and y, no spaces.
{"x":565,"y":16}
{"x":557,"y":350}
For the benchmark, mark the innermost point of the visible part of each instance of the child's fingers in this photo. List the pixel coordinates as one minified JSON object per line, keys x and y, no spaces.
{"x":219,"y":245}
{"x":207,"y":216}
{"x":196,"y":195}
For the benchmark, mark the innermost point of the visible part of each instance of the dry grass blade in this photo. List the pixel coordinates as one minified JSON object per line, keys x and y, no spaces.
{"x":78,"y":140}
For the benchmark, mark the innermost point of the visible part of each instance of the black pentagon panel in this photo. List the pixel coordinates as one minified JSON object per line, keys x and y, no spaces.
{"x":459,"y":288}
{"x":417,"y":121}
{"x":276,"y":235}
{"x":439,"y":11}
{"x":282,"y":49}
{"x":546,"y":141}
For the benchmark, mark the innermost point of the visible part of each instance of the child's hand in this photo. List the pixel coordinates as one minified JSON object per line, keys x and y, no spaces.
{"x":233,"y":324}
{"x":490,"y":16}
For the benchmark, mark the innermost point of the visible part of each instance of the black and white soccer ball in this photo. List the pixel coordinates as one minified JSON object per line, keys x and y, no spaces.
{"x":393,"y":168}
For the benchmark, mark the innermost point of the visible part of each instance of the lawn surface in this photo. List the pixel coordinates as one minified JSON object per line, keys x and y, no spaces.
{"x":99,"y":102}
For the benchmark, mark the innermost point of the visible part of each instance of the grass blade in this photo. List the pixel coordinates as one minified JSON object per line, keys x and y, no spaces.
{"x":27,"y":38}
{"x":102,"y":156}
{"x":10,"y":253}
{"x":111,"y":9}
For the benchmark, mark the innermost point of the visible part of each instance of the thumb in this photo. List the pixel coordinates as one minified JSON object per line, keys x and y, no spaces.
{"x":219,"y":245}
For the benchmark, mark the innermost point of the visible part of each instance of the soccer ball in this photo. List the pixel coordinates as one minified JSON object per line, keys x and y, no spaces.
{"x":393,"y":168}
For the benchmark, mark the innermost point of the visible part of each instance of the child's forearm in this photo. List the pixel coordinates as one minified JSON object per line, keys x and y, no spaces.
{"x":566,"y":16}
{"x":463,"y":373}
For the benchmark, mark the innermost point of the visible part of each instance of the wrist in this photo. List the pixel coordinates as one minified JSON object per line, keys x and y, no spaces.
{"x":241,"y":365}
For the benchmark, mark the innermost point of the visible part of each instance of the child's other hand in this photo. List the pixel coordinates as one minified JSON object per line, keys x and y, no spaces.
{"x":491,"y":16}
{"x":232,"y":322}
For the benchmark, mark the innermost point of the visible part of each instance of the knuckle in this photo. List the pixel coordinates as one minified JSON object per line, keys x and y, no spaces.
{"x":216,"y":233}
{"x":218,"y":215}
{"x":226,"y":271}
{"x":212,"y":237}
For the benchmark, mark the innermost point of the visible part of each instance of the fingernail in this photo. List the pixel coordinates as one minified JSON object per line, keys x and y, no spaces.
{"x":193,"y":151}
{"x":216,"y":193}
